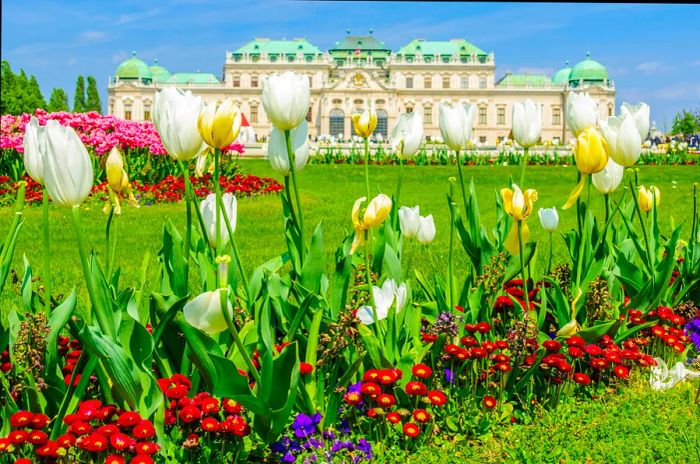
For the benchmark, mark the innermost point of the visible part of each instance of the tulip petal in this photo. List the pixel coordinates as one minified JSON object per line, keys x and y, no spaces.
{"x":575,"y":193}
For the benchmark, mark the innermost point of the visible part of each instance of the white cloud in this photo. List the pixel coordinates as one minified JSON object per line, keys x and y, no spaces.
{"x":653,"y":67}
{"x":133,"y":17}
{"x":93,"y":36}
{"x":682,"y":91}
{"x":693,"y":63}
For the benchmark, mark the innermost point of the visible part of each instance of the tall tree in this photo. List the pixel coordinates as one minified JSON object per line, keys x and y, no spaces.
{"x":58,"y":100}
{"x":7,"y":91}
{"x":79,"y":97}
{"x":24,"y":100}
{"x":684,"y":123}
{"x":35,"y":95}
{"x":93,"y":96}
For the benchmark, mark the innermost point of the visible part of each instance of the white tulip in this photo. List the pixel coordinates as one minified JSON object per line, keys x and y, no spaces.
{"x":407,"y":135}
{"x":209,"y":212}
{"x":384,"y":298}
{"x":204,"y":312}
{"x":640,"y":114}
{"x":456,"y":124}
{"x":34,"y":145}
{"x":581,"y":112}
{"x":426,"y":232}
{"x":607,"y":180}
{"x":549,"y":218}
{"x":68,"y":172}
{"x":175,"y":114}
{"x":622,"y":137}
{"x":285,"y":98}
{"x":527,"y":122}
{"x":277,"y":149}
{"x":409,"y":221}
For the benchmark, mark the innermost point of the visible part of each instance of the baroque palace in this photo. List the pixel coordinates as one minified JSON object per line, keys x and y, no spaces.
{"x":361,"y":71}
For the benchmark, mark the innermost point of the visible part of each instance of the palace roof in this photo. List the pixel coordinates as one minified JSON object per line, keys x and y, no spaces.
{"x":524,"y":80}
{"x":433,"y":47}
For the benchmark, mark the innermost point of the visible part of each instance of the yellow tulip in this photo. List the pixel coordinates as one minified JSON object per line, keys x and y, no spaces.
{"x":365,"y":123}
{"x":518,"y":204}
{"x":512,"y":243}
{"x":647,"y":198}
{"x":591,"y":152}
{"x":118,"y":181}
{"x":219,"y":125}
{"x":377,"y":211}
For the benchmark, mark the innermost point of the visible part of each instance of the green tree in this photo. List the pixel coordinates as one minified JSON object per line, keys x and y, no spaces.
{"x":93,"y":96}
{"x":7,"y":91}
{"x":79,"y":97}
{"x":684,"y":123}
{"x":36,"y":98}
{"x":58,"y":100}
{"x":24,"y":100}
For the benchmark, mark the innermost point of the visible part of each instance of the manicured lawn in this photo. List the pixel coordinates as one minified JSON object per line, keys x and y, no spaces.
{"x":328,"y":193}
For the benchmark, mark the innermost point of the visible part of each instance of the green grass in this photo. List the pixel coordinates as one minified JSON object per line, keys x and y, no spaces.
{"x":328,"y":193}
{"x":635,"y":425}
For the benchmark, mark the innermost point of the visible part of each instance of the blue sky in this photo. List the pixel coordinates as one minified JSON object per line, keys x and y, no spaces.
{"x":651,"y":51}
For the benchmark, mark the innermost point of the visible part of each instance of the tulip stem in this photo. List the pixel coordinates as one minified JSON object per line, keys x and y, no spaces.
{"x":521,"y":252}
{"x":236,"y":255}
{"x":549,"y":263}
{"x":47,"y":249}
{"x":100,"y":312}
{"x":368,"y":274}
{"x":188,"y":232}
{"x":461,"y":184}
{"x":236,"y":337}
{"x":217,"y":192}
{"x":450,"y":257}
{"x":526,"y":152}
{"x":369,"y":195}
{"x":650,"y":260}
{"x":292,"y":170}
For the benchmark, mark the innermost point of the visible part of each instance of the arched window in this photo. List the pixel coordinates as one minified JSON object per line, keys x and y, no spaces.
{"x":337,"y":123}
{"x":428,"y":114}
{"x":382,"y":123}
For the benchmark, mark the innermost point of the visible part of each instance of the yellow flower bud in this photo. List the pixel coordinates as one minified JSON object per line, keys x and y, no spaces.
{"x":219,"y":125}
{"x":591,"y":152}
{"x":365,"y":123}
{"x":646,"y":198}
{"x":118,"y":181}
{"x":518,"y":204}
{"x":377,"y":211}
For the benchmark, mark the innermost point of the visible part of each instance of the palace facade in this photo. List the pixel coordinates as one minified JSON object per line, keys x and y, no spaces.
{"x":361,"y":70}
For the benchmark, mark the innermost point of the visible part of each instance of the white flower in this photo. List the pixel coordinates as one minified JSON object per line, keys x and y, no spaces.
{"x":607,"y":180}
{"x":407,"y":135}
{"x":175,"y":114}
{"x":384,"y":298}
{"x":622,"y":137}
{"x":456,"y":124}
{"x":663,"y":378}
{"x":426,"y":231}
{"x":34,"y":145}
{"x":68,"y":172}
{"x":581,"y":112}
{"x":277,"y":149}
{"x":285,"y":98}
{"x":204,"y":312}
{"x":409,"y":221}
{"x":640,"y":114}
{"x":549,"y":218}
{"x":208,"y":209}
{"x":527,"y":122}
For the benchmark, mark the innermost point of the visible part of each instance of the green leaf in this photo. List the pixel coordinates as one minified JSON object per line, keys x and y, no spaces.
{"x":57,"y":320}
{"x":313,"y":263}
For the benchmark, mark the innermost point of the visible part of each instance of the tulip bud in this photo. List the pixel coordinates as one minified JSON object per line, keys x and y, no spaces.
{"x":581,"y":112}
{"x":384,"y":298}
{"x":175,"y":115}
{"x":377,"y":211}
{"x":209,"y":211}
{"x":407,"y":135}
{"x":219,"y":125}
{"x":285,"y":98}
{"x":518,"y":204}
{"x":409,"y":221}
{"x":549,"y":218}
{"x":591,"y":152}
{"x":456,"y":124}
{"x":623,"y":140}
{"x":607,"y":180}
{"x":68,"y":172}
{"x":426,"y":231}
{"x":364,"y":123}
{"x":277,"y":149}
{"x":118,"y":181}
{"x":647,"y":198}
{"x":527,"y":123}
{"x":34,"y":145}
{"x":205,"y":313}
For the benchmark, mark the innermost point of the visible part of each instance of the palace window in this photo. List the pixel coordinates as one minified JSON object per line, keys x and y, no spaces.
{"x":382,"y":123}
{"x":428,"y":114}
{"x":311,"y":80}
{"x":482,"y":139}
{"x":380,"y":102}
{"x":147,"y":113}
{"x":273,"y":58}
{"x":337,"y":123}
{"x":253,"y":113}
{"x":127,"y":110}
{"x":610,"y":110}
{"x":464,"y":58}
{"x":409,"y":82}
{"x":482,"y":115}
{"x":337,"y":101}
{"x":358,"y":101}
{"x":253,"y":81}
{"x":482,"y":82}
{"x":500,"y":115}
{"x":409,"y":109}
{"x":236,"y":80}
{"x":464,"y":82}
{"x":445,"y":82}
{"x":556,"y":116}
{"x":446,"y":58}
{"x":427,"y":81}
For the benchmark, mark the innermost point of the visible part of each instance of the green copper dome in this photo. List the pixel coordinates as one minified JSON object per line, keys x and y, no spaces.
{"x":588,"y":70}
{"x":160,"y":74}
{"x":134,"y":68}
{"x":561,"y":77}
